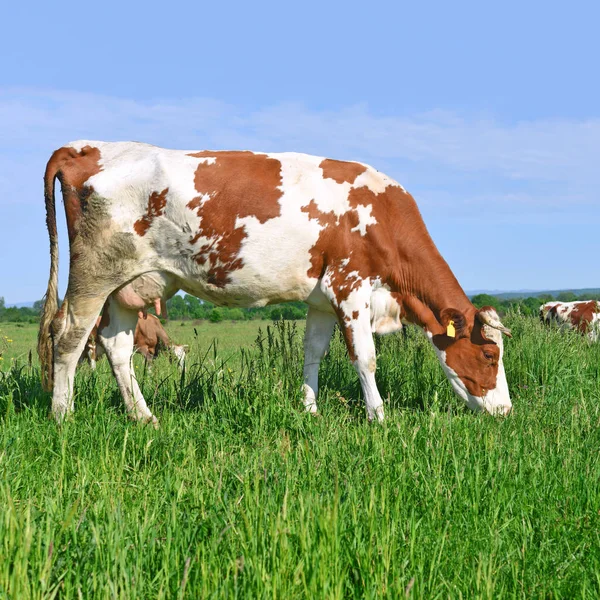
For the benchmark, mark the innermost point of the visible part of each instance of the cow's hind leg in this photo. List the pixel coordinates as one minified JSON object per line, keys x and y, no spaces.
{"x":319,"y":327}
{"x":71,"y":328}
{"x":116,"y":333}
{"x":355,"y":323}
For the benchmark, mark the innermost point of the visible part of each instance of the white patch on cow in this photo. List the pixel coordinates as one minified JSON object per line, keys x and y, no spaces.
{"x":364,"y":218}
{"x":279,"y":268}
{"x":302,"y":179}
{"x":374,"y":180}
{"x":385,"y":312}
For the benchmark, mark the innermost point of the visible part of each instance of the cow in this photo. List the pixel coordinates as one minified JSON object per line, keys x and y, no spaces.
{"x":242,"y":228}
{"x":149,"y":339}
{"x":582,"y":316}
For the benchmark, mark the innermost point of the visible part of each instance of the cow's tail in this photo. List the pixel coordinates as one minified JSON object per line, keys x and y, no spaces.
{"x":45,"y":341}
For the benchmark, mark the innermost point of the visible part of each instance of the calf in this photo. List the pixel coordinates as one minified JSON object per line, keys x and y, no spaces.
{"x":583,"y":316}
{"x":251,"y":229}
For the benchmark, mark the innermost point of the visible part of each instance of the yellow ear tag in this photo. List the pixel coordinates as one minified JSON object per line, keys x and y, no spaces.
{"x":450,"y":331}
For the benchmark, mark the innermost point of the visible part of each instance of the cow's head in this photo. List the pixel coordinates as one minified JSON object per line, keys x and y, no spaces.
{"x":470,"y":350}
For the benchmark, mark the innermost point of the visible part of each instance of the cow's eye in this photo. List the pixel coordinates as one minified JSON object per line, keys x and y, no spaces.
{"x":488,"y":355}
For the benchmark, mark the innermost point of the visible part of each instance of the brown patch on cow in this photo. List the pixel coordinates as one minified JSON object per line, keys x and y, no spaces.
{"x":314,"y":214}
{"x":583,"y":314}
{"x":347,"y":333}
{"x":341,"y":171}
{"x":73,"y":169}
{"x":236,"y":185}
{"x":324,"y":254}
{"x":355,"y":314}
{"x":156,"y":208}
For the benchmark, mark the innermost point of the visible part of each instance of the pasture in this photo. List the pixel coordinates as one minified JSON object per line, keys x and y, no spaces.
{"x":240,"y":494}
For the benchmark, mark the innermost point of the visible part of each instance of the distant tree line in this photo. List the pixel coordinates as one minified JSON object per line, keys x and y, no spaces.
{"x":180,"y":308}
{"x":188,"y":307}
{"x":24,"y":314}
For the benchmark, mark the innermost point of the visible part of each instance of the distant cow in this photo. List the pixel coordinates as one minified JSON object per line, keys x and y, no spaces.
{"x":150,"y":338}
{"x":583,"y":316}
{"x":250,"y":229}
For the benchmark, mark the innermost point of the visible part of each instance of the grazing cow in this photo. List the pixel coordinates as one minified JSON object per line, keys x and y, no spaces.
{"x":241,"y":228}
{"x":149,"y":339}
{"x":583,"y":316}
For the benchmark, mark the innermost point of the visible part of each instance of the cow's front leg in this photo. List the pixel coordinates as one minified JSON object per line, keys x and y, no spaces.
{"x":115,"y":333}
{"x":355,"y":323}
{"x":319,"y":327}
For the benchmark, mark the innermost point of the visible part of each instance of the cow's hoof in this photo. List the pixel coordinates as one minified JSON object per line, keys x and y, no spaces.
{"x":376,"y":415}
{"x":151,"y":420}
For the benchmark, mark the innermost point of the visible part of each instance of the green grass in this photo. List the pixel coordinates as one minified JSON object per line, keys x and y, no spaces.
{"x":240,"y":494}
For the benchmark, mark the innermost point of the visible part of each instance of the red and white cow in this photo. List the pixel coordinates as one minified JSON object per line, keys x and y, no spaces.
{"x":240,"y":228}
{"x":149,"y":339}
{"x":583,"y":316}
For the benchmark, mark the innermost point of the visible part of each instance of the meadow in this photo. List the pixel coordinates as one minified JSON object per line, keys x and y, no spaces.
{"x":240,"y":494}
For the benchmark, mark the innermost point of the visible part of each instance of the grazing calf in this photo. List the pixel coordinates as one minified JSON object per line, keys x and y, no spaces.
{"x":243,"y":228}
{"x":583,"y":316}
{"x":149,"y":339}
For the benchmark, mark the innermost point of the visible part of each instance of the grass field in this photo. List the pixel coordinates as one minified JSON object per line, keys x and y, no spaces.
{"x":240,"y":494}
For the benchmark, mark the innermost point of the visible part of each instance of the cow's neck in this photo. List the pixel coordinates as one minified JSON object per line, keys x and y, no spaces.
{"x":427,"y":287}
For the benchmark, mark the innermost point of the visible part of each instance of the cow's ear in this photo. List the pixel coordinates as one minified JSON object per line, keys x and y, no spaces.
{"x":454,"y":323}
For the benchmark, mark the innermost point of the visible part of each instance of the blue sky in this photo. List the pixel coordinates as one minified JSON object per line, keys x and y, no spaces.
{"x":488,"y":114}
